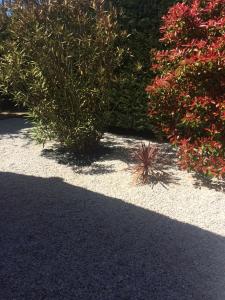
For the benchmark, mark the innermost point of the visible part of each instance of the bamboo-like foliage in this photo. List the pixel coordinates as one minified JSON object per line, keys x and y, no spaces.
{"x":3,"y":37}
{"x":60,"y":63}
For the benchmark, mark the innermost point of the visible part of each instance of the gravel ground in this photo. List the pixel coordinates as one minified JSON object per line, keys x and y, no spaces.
{"x":71,"y":229}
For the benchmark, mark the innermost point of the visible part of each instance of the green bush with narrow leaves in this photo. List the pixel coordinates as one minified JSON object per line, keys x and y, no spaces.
{"x":4,"y":35}
{"x":60,"y":63}
{"x":127,"y":97}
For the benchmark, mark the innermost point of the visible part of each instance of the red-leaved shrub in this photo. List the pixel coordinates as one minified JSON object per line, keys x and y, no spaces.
{"x":187,"y":96}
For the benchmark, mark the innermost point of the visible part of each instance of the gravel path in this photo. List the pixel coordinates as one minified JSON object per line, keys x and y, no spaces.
{"x":69,"y":231}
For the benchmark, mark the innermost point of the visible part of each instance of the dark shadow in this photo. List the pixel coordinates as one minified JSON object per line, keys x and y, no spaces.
{"x":132,"y":133}
{"x":95,"y":169}
{"x":163,"y":178}
{"x":213,"y":184}
{"x":13,"y":126}
{"x":79,"y":161}
{"x":124,"y":150}
{"x":163,"y":167}
{"x":111,"y":148}
{"x":154,"y":178}
{"x":167,"y":157}
{"x":66,"y":157}
{"x":7,"y":104}
{"x":60,"y":241}
{"x":108,"y":150}
{"x":114,"y":147}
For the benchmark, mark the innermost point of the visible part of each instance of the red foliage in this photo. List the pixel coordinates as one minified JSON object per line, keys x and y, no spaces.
{"x":145,"y":156}
{"x":187,"y":97}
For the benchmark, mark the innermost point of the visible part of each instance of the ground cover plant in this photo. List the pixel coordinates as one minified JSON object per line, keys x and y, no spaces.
{"x":59,"y":63}
{"x":187,"y":96}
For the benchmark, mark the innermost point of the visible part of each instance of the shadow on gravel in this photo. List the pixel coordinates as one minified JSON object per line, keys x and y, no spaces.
{"x":125,"y":146}
{"x":60,"y":241}
{"x":66,"y":157}
{"x":13,"y":126}
{"x":113,"y":148}
{"x":164,"y":179}
{"x":78,"y":161}
{"x":108,"y":150}
{"x":202,"y":181}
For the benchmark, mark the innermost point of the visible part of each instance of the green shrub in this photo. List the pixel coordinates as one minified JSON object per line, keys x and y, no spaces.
{"x":4,"y":35}
{"x":141,"y":19}
{"x":60,"y":62}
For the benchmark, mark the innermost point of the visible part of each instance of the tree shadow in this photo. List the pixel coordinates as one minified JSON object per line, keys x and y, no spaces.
{"x":13,"y":127}
{"x":114,"y":148}
{"x":163,"y":166}
{"x":79,"y":161}
{"x":110,"y":149}
{"x":163,"y":178}
{"x":156,"y":177}
{"x":212,"y":184}
{"x":167,"y":158}
{"x":59,"y":241}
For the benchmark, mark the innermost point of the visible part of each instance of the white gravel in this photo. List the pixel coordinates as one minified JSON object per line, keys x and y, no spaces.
{"x":180,"y":197}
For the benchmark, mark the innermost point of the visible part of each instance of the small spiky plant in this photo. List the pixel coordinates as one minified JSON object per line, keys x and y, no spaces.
{"x":145,"y":155}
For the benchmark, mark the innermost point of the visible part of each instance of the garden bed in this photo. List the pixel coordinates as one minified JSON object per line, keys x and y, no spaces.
{"x":75,"y":227}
